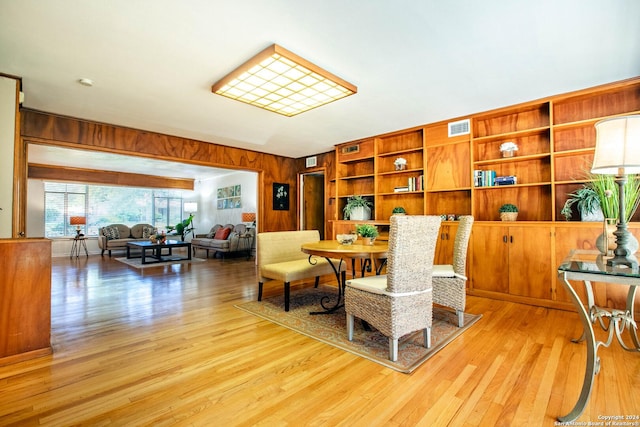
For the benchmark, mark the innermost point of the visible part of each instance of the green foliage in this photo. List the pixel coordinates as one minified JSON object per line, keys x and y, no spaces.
{"x":585,"y":198}
{"x":355,"y":202}
{"x":367,"y":230}
{"x":508,"y":207}
{"x":398,"y":209}
{"x":602,"y":192}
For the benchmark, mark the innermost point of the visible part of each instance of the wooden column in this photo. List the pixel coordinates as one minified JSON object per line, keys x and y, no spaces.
{"x":25,"y":299}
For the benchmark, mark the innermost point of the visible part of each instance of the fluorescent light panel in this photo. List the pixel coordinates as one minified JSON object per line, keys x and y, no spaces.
{"x":281,"y":81}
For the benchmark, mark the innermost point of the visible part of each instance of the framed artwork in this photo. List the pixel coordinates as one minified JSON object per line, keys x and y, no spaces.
{"x":280,"y":197}
{"x":229,"y":197}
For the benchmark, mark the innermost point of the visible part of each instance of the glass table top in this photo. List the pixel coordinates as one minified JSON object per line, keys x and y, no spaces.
{"x":590,"y":261}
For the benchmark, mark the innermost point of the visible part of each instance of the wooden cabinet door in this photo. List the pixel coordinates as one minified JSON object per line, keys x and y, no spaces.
{"x":444,"y":246}
{"x":530,"y":272}
{"x":490,"y":258}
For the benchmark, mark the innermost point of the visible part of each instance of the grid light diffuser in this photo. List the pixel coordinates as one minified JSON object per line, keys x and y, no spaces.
{"x":280,"y":81}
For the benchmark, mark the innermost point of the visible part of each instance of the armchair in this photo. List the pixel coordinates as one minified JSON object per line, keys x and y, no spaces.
{"x":399,"y":302}
{"x":449,"y":281}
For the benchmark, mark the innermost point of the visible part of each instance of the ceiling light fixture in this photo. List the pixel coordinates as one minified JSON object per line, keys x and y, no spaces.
{"x":281,"y":81}
{"x":86,"y":82}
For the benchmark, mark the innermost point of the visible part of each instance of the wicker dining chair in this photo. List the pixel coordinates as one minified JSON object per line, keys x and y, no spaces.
{"x":449,"y":281}
{"x":399,"y":302}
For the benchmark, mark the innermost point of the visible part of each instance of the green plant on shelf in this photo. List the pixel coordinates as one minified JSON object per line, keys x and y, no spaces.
{"x":354,"y":202}
{"x":508,"y":207}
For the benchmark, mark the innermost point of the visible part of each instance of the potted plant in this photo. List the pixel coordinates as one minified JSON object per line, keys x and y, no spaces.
{"x":508,"y":149}
{"x":587,"y":201}
{"x":398,"y":210}
{"x":508,"y":212}
{"x":368,"y":233}
{"x":357,"y":209}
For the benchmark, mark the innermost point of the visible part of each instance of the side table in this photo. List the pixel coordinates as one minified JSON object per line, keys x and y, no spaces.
{"x":78,"y":244}
{"x":588,"y":266}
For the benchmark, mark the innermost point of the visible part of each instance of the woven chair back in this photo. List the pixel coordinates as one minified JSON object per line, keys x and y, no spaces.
{"x":412,"y":244}
{"x":461,"y":244}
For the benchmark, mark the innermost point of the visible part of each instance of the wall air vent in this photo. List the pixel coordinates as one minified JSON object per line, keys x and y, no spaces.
{"x":461,"y":127}
{"x":349,"y":149}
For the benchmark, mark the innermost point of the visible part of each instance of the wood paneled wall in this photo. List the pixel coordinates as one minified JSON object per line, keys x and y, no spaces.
{"x":51,"y":129}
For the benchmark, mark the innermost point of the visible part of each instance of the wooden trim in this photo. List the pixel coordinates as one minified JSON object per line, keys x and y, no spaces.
{"x":18,"y":223}
{"x":63,"y":173}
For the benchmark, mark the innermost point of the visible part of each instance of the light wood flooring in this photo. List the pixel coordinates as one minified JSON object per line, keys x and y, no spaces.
{"x":166,"y":346}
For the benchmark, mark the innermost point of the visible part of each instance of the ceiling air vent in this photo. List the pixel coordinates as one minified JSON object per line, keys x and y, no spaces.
{"x":459,"y":128}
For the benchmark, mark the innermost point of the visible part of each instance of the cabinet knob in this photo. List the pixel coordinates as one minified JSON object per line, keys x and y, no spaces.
{"x":504,"y":238}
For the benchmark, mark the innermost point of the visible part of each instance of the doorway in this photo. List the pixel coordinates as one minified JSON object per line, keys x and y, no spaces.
{"x":312,"y":202}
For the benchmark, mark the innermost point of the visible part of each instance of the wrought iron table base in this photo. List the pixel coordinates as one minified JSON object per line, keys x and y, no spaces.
{"x":618,"y":321}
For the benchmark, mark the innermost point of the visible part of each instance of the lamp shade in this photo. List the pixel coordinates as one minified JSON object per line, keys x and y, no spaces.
{"x":190,"y":207}
{"x":617,"y":146}
{"x":77,"y":220}
{"x":248,"y":216}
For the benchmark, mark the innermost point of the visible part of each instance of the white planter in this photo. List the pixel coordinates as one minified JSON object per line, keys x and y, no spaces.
{"x":361,"y":213}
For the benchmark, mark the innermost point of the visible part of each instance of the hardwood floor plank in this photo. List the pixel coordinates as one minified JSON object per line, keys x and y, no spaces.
{"x":166,"y":346}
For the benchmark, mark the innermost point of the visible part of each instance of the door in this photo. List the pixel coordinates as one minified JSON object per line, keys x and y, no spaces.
{"x":312,"y":214}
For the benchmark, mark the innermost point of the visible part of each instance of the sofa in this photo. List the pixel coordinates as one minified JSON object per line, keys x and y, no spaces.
{"x":116,"y":236}
{"x":225,"y":240}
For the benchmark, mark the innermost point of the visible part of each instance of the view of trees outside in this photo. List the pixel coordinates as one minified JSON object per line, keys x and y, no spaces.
{"x":103,"y":205}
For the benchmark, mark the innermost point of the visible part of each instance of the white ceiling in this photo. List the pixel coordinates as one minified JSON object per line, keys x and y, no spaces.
{"x":414,"y":62}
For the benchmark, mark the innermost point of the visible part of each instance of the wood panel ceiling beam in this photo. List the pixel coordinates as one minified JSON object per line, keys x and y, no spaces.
{"x":93,"y":176}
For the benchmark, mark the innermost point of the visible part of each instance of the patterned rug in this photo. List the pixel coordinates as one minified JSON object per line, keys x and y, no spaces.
{"x":331,"y":328}
{"x":137,"y":262}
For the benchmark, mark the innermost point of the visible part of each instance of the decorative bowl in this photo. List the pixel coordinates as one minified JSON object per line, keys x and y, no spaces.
{"x":346,"y":239}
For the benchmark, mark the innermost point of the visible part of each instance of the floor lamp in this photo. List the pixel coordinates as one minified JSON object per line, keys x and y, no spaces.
{"x":618,"y":153}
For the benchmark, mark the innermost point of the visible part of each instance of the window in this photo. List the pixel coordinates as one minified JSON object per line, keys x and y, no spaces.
{"x":103,"y":205}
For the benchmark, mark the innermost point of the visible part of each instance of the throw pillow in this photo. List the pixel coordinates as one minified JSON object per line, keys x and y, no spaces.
{"x":222,"y":234}
{"x":148,"y":231}
{"x":111,"y":233}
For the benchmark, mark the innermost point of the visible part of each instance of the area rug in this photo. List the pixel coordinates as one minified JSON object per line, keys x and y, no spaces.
{"x":137,"y":262}
{"x":331,"y":328}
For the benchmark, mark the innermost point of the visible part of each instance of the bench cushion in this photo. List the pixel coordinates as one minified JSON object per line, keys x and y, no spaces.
{"x":298,"y":269}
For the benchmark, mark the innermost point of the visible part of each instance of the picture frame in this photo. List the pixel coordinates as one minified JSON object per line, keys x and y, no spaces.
{"x":229,"y":197}
{"x":280,"y":196}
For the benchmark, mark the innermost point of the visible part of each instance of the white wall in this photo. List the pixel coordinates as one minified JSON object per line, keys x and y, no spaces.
{"x":8,"y":89}
{"x":209,"y":215}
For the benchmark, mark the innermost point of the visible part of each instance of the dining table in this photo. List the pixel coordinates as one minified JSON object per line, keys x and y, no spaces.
{"x":335,"y":253}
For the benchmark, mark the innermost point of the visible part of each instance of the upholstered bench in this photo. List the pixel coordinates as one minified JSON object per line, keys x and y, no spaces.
{"x":280,"y":258}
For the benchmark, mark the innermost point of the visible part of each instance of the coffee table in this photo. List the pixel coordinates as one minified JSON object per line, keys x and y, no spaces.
{"x":153,"y":252}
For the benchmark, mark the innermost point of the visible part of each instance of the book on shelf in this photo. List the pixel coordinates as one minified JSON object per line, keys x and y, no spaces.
{"x":506,"y":180}
{"x":482,"y":178}
{"x":400,"y":189}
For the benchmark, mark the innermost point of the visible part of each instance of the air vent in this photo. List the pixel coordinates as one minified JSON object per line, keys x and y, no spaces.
{"x":350,"y":149}
{"x":459,"y":128}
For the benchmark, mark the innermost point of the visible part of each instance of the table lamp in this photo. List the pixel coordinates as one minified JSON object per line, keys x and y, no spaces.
{"x":618,"y":153}
{"x":78,"y":221}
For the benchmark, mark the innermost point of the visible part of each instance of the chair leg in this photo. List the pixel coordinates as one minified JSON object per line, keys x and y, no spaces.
{"x":350,"y":321}
{"x":260,"y":291}
{"x":317,"y":281}
{"x":460,"y":318}
{"x":287,"y":290}
{"x":393,"y":349}
{"x":426,"y":333}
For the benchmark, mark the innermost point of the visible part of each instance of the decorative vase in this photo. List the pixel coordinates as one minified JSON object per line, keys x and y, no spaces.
{"x":508,"y":216}
{"x":606,"y":242}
